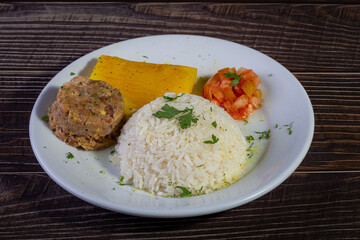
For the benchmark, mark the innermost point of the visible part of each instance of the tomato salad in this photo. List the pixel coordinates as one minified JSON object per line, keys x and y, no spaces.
{"x":235,"y":90}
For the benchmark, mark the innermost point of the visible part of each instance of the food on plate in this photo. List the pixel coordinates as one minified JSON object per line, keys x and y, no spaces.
{"x":141,"y":82}
{"x":235,"y":90}
{"x":180,"y":145}
{"x":87,"y":113}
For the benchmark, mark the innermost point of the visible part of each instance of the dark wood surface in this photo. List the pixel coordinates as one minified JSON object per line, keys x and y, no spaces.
{"x":319,"y":42}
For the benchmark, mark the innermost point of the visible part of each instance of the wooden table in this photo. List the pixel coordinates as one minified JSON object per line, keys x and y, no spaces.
{"x":318,"y":42}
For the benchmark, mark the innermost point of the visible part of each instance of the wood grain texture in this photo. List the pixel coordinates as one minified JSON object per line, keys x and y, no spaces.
{"x":317,"y":40}
{"x":303,"y":37}
{"x":33,"y":206}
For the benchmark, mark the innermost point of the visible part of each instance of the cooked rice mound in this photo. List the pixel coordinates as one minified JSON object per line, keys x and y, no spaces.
{"x":157,"y":155}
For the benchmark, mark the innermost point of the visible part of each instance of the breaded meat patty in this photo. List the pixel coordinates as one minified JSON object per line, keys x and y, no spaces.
{"x":87,"y":114}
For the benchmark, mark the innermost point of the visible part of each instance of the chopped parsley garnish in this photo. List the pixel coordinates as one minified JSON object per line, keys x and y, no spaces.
{"x":200,"y":189}
{"x":236,"y":78}
{"x":214,"y":140}
{"x":121,"y":183}
{"x":249,"y":138}
{"x":276,"y":126}
{"x":200,"y":165}
{"x":144,"y":56}
{"x":214,"y":124}
{"x":210,"y":109}
{"x":170,"y":112}
{"x":45,"y":118}
{"x":72,"y":74}
{"x":264,"y":134}
{"x":170,"y":99}
{"x":69,"y":155}
{"x":185,"y":192}
{"x":249,"y":148}
{"x":112,"y":152}
{"x":289,"y":127}
{"x":169,"y":183}
{"x":251,"y":153}
{"x":187,"y":119}
{"x":246,"y":121}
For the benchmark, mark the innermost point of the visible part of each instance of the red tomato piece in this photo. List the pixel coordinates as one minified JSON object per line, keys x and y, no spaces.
{"x":241,"y":101}
{"x":218,"y":95}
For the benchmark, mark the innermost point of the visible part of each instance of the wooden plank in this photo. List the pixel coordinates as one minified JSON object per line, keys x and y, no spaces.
{"x":305,"y":206}
{"x":303,"y":37}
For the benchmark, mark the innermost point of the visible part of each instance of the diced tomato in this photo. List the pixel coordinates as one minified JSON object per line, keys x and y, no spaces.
{"x":257,"y":93}
{"x":229,"y":107}
{"x":241,"y":70}
{"x":256,"y":81}
{"x":248,"y":87}
{"x":238,"y":116}
{"x":228,"y":94}
{"x":207,"y":92}
{"x":218,"y":95}
{"x":222,"y":72}
{"x":238,"y":90}
{"x":256,"y":102}
{"x":214,"y":79}
{"x":241,"y":101}
{"x":243,"y":113}
{"x":250,"y":109}
{"x":250,"y":75}
{"x":225,"y":83}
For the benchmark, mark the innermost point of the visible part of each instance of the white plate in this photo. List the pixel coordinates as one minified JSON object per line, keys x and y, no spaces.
{"x":91,"y":177}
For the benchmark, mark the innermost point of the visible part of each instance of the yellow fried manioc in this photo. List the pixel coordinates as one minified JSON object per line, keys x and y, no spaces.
{"x":141,"y":82}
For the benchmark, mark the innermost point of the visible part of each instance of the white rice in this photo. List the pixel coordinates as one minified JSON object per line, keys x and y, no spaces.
{"x":157,"y":155}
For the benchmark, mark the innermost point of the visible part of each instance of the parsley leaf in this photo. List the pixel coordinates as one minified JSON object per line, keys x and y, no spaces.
{"x":120,"y":181}
{"x":170,"y":99}
{"x":185,"y":192}
{"x":185,"y":120}
{"x":169,"y":112}
{"x":264,"y":134}
{"x":251,"y":153}
{"x":236,"y":78}
{"x":72,"y":74}
{"x":214,"y":124}
{"x":112,"y":152}
{"x":289,"y":127}
{"x":45,"y":118}
{"x":213,"y":141}
{"x":69,"y":155}
{"x":249,"y":138}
